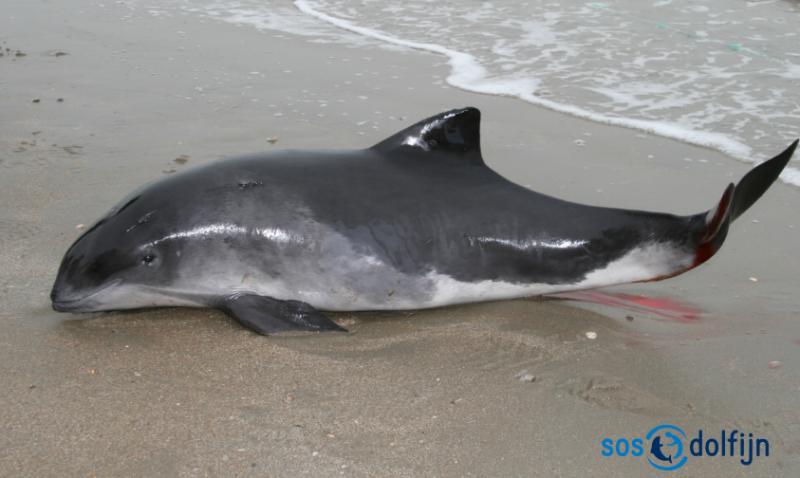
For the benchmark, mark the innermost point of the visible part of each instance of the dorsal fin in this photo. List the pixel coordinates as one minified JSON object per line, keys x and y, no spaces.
{"x":456,"y":132}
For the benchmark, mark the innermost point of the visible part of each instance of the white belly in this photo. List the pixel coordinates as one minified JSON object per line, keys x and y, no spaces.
{"x":368,"y":284}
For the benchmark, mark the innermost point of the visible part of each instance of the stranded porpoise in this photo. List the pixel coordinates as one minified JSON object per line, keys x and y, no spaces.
{"x":416,"y":221}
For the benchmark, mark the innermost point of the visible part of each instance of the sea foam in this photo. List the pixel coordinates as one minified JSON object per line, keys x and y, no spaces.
{"x":688,"y":111}
{"x":726,"y":77}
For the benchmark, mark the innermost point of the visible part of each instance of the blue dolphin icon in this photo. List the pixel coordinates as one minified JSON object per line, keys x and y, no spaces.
{"x":655,"y":450}
{"x":669,"y":436}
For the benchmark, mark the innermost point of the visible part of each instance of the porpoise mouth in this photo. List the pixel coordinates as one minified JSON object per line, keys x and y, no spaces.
{"x":77,"y":305}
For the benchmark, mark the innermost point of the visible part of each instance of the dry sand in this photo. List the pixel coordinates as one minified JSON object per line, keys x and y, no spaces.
{"x":177,"y":392}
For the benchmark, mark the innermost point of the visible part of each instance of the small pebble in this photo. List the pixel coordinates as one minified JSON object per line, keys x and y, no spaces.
{"x":60,"y":100}
{"x":524,"y":376}
{"x":80,"y":226}
{"x":92,"y":371}
{"x":591,"y":335}
{"x":35,"y":100}
{"x":168,"y":170}
{"x":775,"y":364}
{"x":580,"y":142}
{"x":272,"y":140}
{"x":629,"y":318}
{"x":182,"y":159}
{"x":753,"y":279}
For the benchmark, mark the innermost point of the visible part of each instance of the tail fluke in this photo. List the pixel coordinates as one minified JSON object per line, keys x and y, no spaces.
{"x":758,"y":180}
{"x":736,"y":200}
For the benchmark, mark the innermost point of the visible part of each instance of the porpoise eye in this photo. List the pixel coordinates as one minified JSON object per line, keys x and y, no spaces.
{"x":148,"y":259}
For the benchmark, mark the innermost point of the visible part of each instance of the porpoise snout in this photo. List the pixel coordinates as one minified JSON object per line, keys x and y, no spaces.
{"x":60,"y":300}
{"x":64,"y":296}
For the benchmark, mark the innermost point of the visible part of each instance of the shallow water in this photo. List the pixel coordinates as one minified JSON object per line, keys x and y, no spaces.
{"x":723,"y":74}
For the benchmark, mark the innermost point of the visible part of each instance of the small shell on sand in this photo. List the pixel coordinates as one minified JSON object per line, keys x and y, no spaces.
{"x":591,"y":335}
{"x":524,"y":376}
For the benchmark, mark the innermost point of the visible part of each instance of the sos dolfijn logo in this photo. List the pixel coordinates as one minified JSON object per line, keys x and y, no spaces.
{"x":667,"y":447}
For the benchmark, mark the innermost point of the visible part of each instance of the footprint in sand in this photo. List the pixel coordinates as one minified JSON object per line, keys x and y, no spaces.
{"x":613,"y":393}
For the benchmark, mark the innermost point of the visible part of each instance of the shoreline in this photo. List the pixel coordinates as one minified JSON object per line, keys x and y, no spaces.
{"x":181,"y":391}
{"x":467,"y":74}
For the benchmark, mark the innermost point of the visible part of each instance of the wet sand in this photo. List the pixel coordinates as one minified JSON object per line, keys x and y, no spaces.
{"x":510,"y":388}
